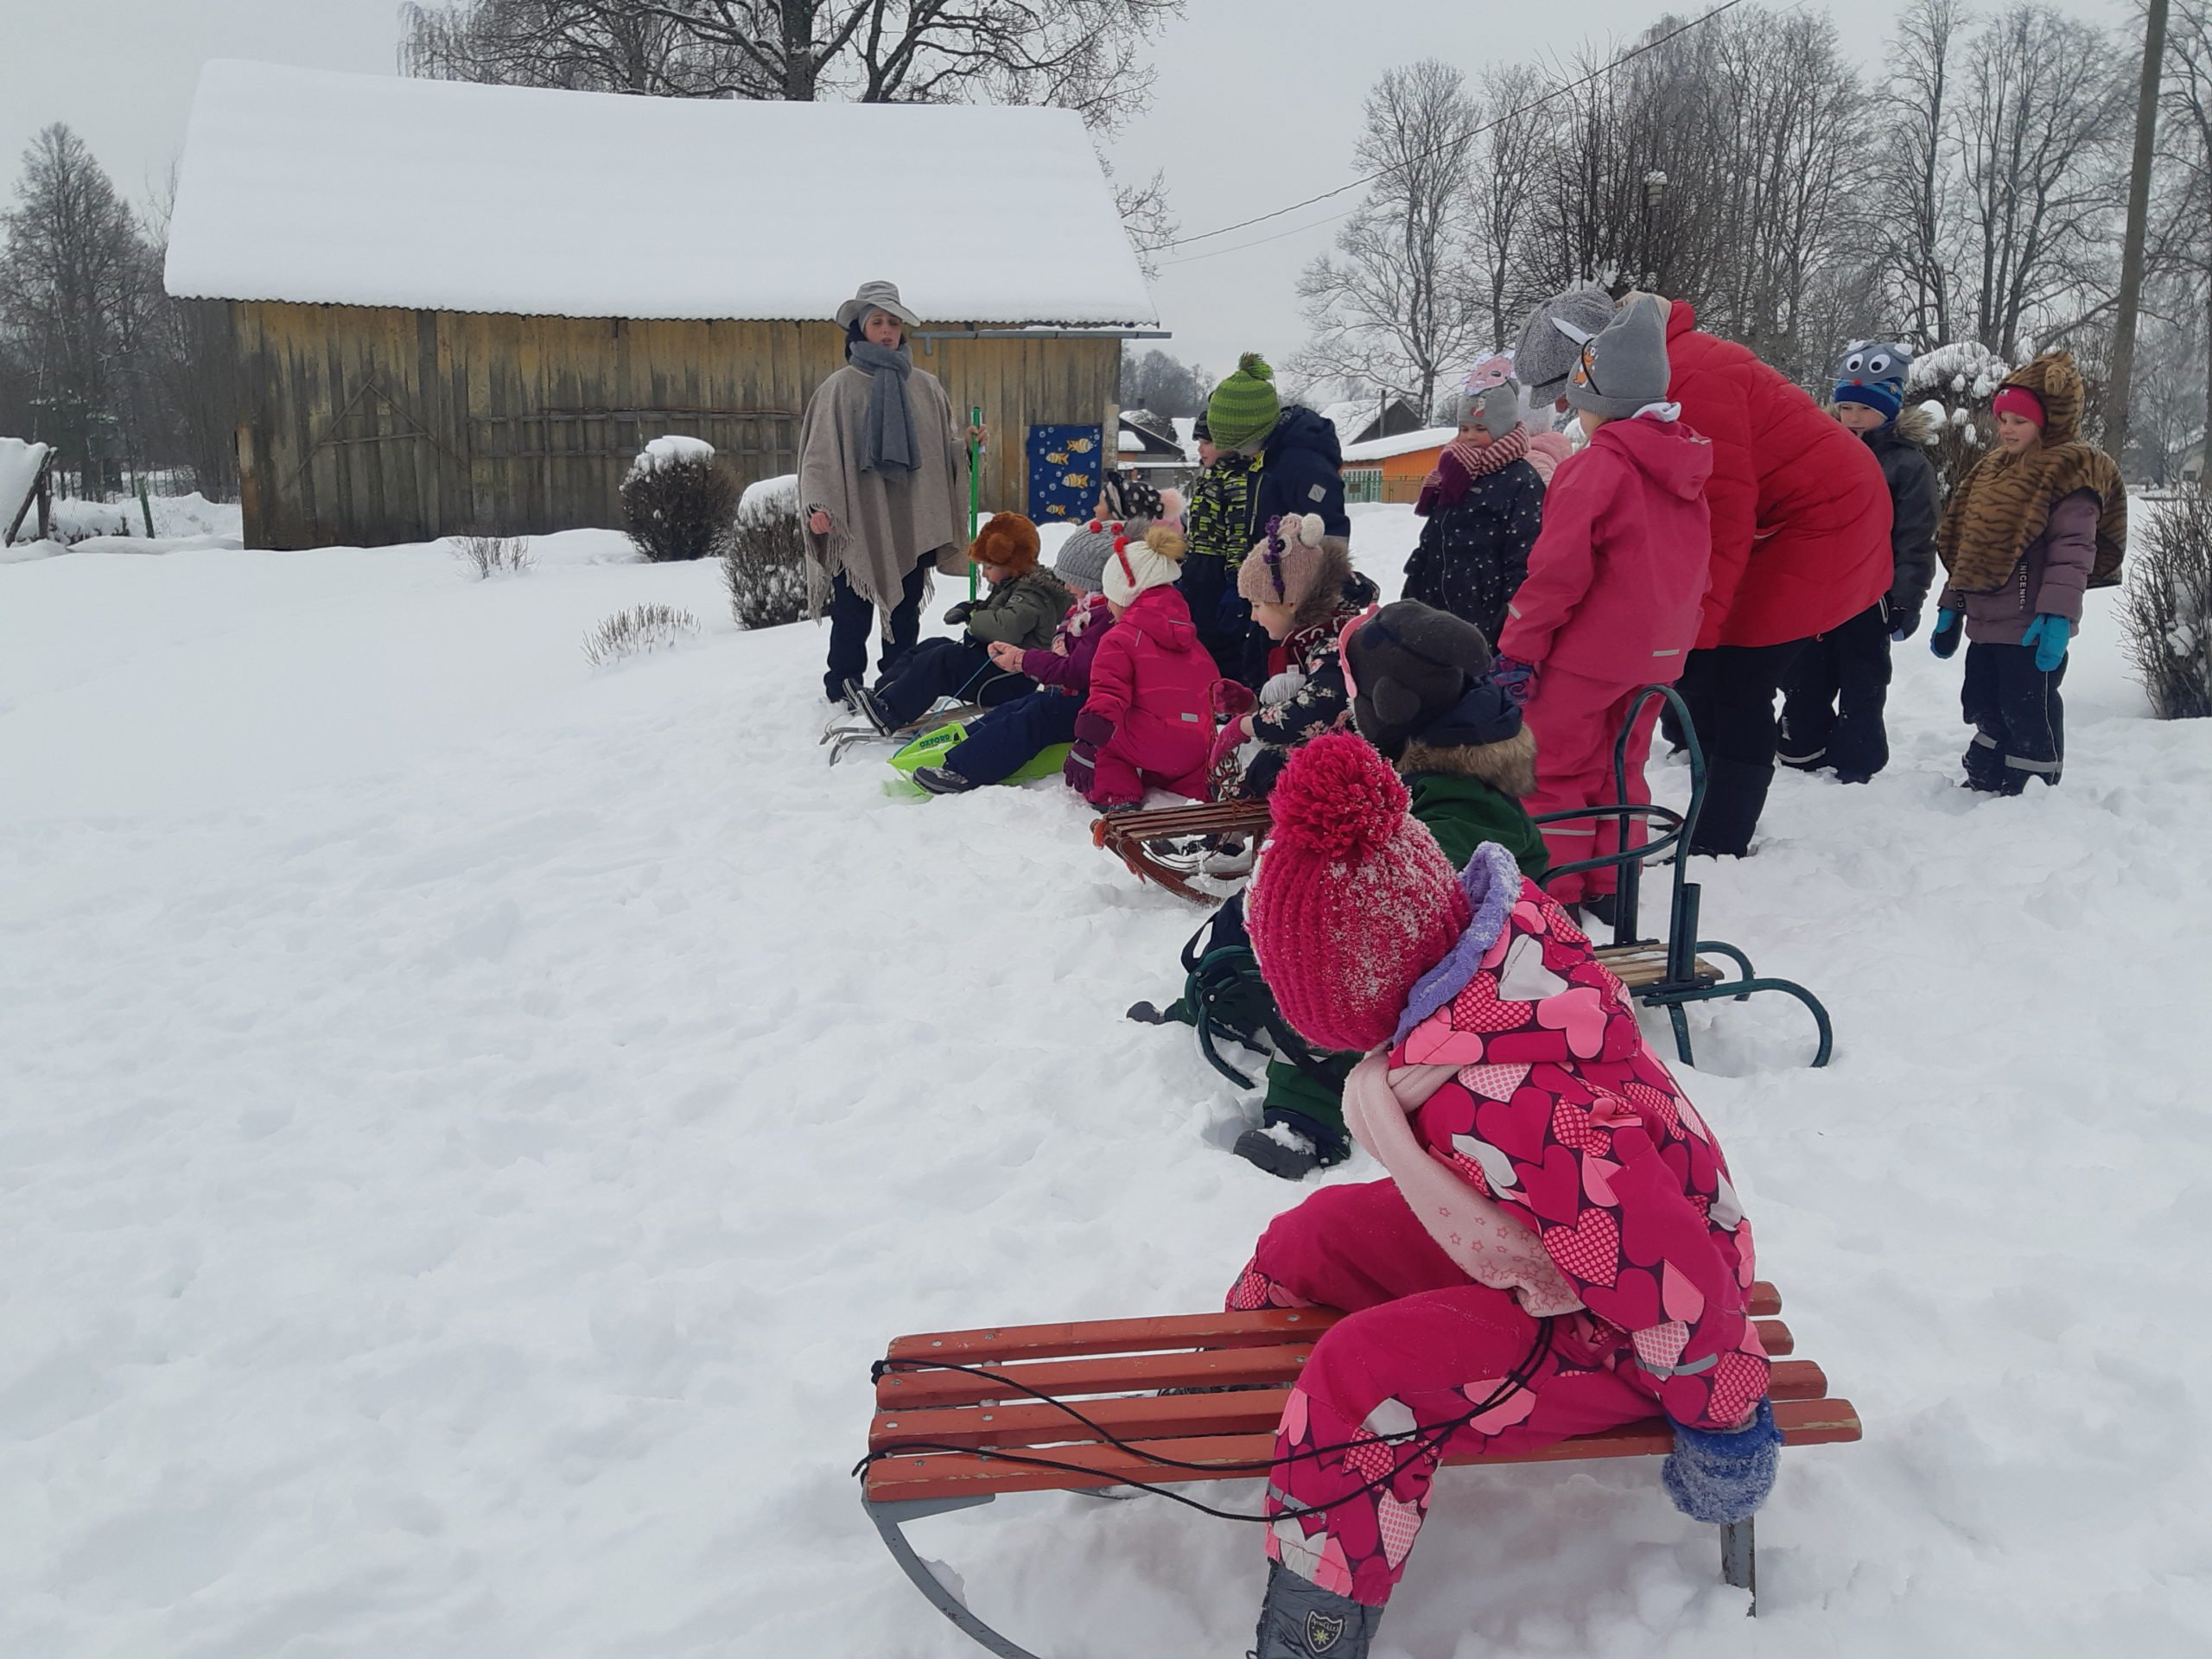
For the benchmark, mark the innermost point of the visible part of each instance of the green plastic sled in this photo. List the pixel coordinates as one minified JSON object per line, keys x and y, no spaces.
{"x":931,"y":748}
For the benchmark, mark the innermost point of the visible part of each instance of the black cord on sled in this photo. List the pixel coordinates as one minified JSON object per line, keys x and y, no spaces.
{"x":1423,"y":1442}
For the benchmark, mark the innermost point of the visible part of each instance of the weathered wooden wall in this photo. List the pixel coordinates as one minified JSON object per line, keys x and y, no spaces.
{"x":363,"y":425}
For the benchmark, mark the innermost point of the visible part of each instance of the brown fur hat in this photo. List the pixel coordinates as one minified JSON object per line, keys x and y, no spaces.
{"x":1007,"y":540}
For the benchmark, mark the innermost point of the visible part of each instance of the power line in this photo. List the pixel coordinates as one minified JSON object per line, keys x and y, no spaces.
{"x":1534,"y":104}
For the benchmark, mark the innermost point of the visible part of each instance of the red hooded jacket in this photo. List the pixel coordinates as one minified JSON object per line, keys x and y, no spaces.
{"x":1801,"y":514}
{"x":1152,"y":683}
{"x":1618,"y":570}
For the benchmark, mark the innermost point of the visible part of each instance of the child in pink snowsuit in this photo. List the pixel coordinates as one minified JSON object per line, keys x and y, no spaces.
{"x":1615,"y":588}
{"x":1148,"y":722}
{"x":1557,"y":1251}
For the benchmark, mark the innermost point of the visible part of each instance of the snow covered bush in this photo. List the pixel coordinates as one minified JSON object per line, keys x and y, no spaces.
{"x":764,"y":560}
{"x":2167,"y":612}
{"x":678,"y":502}
{"x":638,"y":630}
{"x":1953,"y":384}
{"x":489,"y":555}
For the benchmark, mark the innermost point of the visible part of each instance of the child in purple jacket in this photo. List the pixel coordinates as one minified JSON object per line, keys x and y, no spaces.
{"x":1012,"y":734}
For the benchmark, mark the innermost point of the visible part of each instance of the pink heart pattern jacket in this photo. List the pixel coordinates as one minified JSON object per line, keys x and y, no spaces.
{"x":1559,"y":1113}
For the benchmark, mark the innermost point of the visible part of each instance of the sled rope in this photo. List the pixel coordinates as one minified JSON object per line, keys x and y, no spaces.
{"x":1421,"y":1443}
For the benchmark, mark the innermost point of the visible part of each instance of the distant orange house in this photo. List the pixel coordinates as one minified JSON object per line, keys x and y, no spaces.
{"x":1392,"y":469}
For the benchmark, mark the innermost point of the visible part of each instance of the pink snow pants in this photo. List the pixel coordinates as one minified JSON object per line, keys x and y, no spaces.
{"x":1576,"y":720}
{"x":1423,"y":1347}
{"x":1117,"y":779}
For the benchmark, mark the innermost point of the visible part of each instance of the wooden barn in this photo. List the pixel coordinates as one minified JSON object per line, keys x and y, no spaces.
{"x":462,"y":308}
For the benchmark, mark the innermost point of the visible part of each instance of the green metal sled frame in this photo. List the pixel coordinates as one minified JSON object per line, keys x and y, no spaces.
{"x":1684,"y":981}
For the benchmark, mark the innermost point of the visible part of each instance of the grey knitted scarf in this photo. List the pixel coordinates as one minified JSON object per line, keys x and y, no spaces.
{"x":888,"y":445}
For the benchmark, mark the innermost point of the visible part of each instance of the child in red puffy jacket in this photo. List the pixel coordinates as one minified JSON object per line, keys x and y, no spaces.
{"x":1615,"y":589}
{"x":1149,"y":721}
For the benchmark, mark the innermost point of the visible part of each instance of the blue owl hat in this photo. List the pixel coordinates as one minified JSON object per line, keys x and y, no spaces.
{"x":1874,"y":374}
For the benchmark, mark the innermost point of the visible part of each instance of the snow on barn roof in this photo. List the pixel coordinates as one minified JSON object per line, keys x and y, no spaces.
{"x":325,"y":188}
{"x":1405,"y":444}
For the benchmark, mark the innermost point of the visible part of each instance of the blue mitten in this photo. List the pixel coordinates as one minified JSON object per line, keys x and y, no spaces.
{"x":1723,"y":1475}
{"x":2047,"y":636}
{"x":1944,"y":642}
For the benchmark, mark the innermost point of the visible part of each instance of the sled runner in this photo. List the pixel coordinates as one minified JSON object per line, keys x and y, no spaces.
{"x":847,"y":730}
{"x":1167,"y":846}
{"x":962,"y":1416}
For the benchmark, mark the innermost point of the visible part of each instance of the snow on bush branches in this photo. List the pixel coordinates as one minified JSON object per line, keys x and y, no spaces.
{"x":2167,"y":612}
{"x":638,"y":630}
{"x":764,"y":560}
{"x":678,"y":500}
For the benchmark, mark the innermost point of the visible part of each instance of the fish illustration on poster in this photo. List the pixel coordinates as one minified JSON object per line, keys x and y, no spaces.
{"x":1063,"y":472}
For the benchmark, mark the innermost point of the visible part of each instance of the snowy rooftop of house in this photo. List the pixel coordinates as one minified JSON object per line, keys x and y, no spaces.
{"x":1405,"y":444}
{"x":326,"y":188}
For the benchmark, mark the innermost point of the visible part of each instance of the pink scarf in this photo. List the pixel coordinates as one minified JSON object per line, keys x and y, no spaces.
{"x":1481,"y":459}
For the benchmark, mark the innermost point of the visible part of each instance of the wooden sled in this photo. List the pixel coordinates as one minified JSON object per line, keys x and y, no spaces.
{"x":1167,"y":846}
{"x":946,"y":1439}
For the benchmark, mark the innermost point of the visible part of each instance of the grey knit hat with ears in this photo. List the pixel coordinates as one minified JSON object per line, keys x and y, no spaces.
{"x":1624,"y":366}
{"x":1552,"y":339}
{"x":1497,"y":410}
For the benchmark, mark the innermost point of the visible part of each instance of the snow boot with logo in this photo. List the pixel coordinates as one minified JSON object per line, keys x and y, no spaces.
{"x":1300,"y":1620}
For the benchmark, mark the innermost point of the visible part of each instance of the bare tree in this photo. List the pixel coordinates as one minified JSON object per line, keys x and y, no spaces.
{"x":1507,"y":167}
{"x":1155,"y":381}
{"x":2041,"y":106}
{"x":74,"y":285}
{"x":1913,"y":195}
{"x":599,"y":46}
{"x":1394,"y":309}
{"x":2188,"y":153}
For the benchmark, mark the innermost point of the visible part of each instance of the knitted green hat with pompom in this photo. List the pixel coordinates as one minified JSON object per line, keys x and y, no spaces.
{"x":1244,"y":409}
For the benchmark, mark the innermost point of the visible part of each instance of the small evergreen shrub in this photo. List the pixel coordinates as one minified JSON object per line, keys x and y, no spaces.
{"x":678,"y":502}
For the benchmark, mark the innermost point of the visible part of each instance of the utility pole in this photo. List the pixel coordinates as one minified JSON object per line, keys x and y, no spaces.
{"x":2119,"y":384}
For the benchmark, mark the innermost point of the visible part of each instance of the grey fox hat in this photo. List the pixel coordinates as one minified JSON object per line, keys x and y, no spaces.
{"x":875,"y":296}
{"x":1553,"y":337}
{"x":1624,"y":367}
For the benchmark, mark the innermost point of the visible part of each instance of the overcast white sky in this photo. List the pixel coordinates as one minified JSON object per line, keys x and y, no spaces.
{"x":1257,"y":105}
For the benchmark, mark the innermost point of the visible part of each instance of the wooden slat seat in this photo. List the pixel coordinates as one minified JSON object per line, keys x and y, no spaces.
{"x":1171,"y":1401}
{"x":1643,"y":964}
{"x":1141,"y":840}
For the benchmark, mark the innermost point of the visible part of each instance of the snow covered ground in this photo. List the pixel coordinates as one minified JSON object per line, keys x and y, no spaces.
{"x":470,"y":1119}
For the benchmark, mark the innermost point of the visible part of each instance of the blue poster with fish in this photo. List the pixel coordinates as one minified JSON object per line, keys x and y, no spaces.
{"x":1064,"y":462}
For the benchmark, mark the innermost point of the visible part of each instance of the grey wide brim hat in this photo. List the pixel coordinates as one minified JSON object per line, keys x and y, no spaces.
{"x":876,"y":296}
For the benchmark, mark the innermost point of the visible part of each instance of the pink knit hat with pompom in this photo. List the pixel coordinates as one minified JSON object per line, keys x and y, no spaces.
{"x":1352,"y":901}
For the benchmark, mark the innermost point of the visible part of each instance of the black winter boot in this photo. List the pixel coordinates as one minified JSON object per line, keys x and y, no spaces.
{"x":1300,"y":1620}
{"x":1293,"y":1162}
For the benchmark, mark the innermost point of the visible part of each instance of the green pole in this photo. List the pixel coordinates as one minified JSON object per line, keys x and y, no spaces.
{"x":975,"y":454}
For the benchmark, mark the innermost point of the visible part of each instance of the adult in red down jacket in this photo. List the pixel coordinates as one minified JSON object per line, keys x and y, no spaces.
{"x":1148,"y":722}
{"x":1800,"y":542}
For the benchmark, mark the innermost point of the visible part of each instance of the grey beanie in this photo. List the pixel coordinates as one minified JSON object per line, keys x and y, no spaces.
{"x":1546,"y":353}
{"x":1624,"y":367}
{"x":1497,"y":410}
{"x":1081,"y":562}
{"x":1413,"y":666}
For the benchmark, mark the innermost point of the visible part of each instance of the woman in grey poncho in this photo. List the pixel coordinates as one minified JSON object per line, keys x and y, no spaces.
{"x":883,"y":471}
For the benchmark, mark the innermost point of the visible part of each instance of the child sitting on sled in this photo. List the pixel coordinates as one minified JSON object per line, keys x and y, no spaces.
{"x":1008,"y":738}
{"x":1304,"y":593}
{"x":1557,"y":1249}
{"x":1147,"y":722}
{"x":1021,"y":604}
